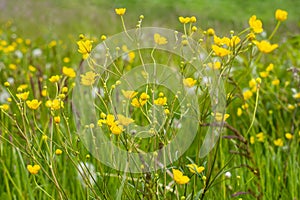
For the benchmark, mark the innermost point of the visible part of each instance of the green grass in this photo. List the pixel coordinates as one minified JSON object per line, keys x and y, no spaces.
{"x":62,"y":19}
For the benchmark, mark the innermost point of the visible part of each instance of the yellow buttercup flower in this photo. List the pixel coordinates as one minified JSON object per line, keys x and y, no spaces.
{"x":56,"y":104}
{"x":234,"y":41}
{"x":239,"y":112}
{"x":161,"y":101}
{"x":88,"y":78}
{"x":135,"y":102}
{"x":160,"y":40}
{"x":58,"y":152}
{"x":57,"y":119}
{"x":220,"y":117}
{"x":255,"y":24}
{"x":270,"y":67}
{"x":265,"y":46}
{"x":221,"y":41}
{"x":33,"y":169}
{"x":247,"y":94}
{"x":278,"y":142}
{"x":179,"y":177}
{"x":288,"y":136}
{"x":120,"y":11}
{"x":276,"y":81}
{"x":215,"y":65}
{"x":297,"y":95}
{"x":69,"y":72}
{"x":281,"y":15}
{"x":116,"y":129}
{"x":54,"y":79}
{"x":23,"y":96}
{"x":84,"y":47}
{"x":4,"y":107}
{"x":129,"y":94}
{"x":125,"y":121}
{"x":210,"y":32}
{"x":264,"y":74}
{"x":219,"y":51}
{"x":34,"y":104}
{"x":184,"y":20}
{"x":193,"y":168}
{"x":260,"y":137}
{"x":189,"y":82}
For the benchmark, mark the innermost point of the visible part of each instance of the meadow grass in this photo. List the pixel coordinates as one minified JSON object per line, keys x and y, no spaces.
{"x":44,"y":154}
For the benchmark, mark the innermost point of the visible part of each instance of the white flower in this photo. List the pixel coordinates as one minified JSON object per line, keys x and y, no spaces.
{"x":37,"y":52}
{"x":228,"y":175}
{"x":3,"y":96}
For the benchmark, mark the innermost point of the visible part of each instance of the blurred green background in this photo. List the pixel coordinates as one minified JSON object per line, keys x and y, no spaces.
{"x":59,"y":19}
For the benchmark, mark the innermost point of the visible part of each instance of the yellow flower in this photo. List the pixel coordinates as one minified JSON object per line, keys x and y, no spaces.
{"x":120,"y":11}
{"x":281,"y":15}
{"x":58,"y":152}
{"x":265,"y":46}
{"x":220,"y":117}
{"x":210,"y":32}
{"x":84,"y":47}
{"x":247,"y":94}
{"x":143,"y":98}
{"x":33,"y":169}
{"x":215,"y":65}
{"x":4,"y":107}
{"x":88,"y":78}
{"x":189,"y":82}
{"x":260,"y":137}
{"x":219,"y":51}
{"x":6,"y":84}
{"x":54,"y":79}
{"x":161,"y":101}
{"x":264,"y":74}
{"x":160,"y":40}
{"x":234,"y":41}
{"x":110,"y":119}
{"x":31,"y":68}
{"x":57,"y":119}
{"x":221,"y":41}
{"x":129,"y":94}
{"x":23,"y":96}
{"x":184,"y":20}
{"x":12,"y":66}
{"x":297,"y":95}
{"x":270,"y":67}
{"x":116,"y":129}
{"x":125,"y":121}
{"x":288,"y":136}
{"x":22,"y":87}
{"x":69,"y":72}
{"x":239,"y":112}
{"x":44,"y":92}
{"x":252,"y":140}
{"x":278,"y":142}
{"x":193,"y":168}
{"x":56,"y":104}
{"x":291,"y":107}
{"x":179,"y":177}
{"x":255,"y":24}
{"x":34,"y":104}
{"x":276,"y":81}
{"x":135,"y":102}
{"x":193,"y":19}
{"x":252,"y":83}
{"x":66,"y":60}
